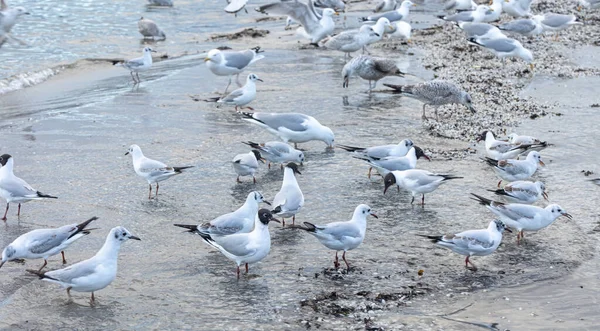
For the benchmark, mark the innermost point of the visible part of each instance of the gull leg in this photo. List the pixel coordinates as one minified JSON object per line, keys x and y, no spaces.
{"x":423,"y":200}
{"x":45,"y":263}
{"x":238,"y":272}
{"x":5,"y":212}
{"x":500,"y":182}
{"x":19,"y":210}
{"x":238,"y":179}
{"x":63,"y":256}
{"x":246,"y":267}
{"x":227,"y":87}
{"x":347,"y":265}
{"x":137,"y":74}
{"x":149,"y":191}
{"x":238,"y":80}
{"x":254,"y":179}
{"x":473,"y":267}
{"x":369,"y":173}
{"x":293,"y":219}
{"x":69,"y":293}
{"x":423,"y":117}
{"x":336,"y":263}
{"x":437,"y":118}
{"x":413,"y":200}
{"x":282,"y":222}
{"x":92,"y":300}
{"x":156,"y":195}
{"x":133,"y":77}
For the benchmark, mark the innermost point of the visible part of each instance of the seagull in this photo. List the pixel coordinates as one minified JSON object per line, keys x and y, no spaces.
{"x":277,"y":152}
{"x":369,"y":68}
{"x":595,"y":181}
{"x":289,"y":199}
{"x":394,"y":163}
{"x":516,"y":139}
{"x":229,"y":63}
{"x":247,"y":164}
{"x":382,"y":26}
{"x":523,"y":191}
{"x":338,"y":5}
{"x":150,"y":30}
{"x":351,"y":41}
{"x":513,"y":170}
{"x":292,"y":127}
{"x":523,"y":217}
{"x":436,"y":93}
{"x":526,"y":26}
{"x":416,"y":181}
{"x":380,"y":152}
{"x":245,"y":248}
{"x":458,"y":5}
{"x":495,"y":11}
{"x":558,"y":22}
{"x":166,"y":3}
{"x":505,"y":47}
{"x":14,"y":189}
{"x":473,"y":242}
{"x":43,"y":243}
{"x":92,"y":274}
{"x":151,"y":170}
{"x":474,"y":16}
{"x":481,"y":30}
{"x":385,"y":6}
{"x":244,"y":95}
{"x":517,"y":8}
{"x":234,"y":6}
{"x":341,"y":236}
{"x":8,"y":19}
{"x":502,"y":150}
{"x":395,"y":15}
{"x":591,"y":4}
{"x":314,"y":26}
{"x":239,"y":221}
{"x":400,"y":30}
{"x":139,"y":64}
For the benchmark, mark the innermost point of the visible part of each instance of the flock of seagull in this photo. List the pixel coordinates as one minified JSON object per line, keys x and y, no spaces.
{"x":243,"y":235}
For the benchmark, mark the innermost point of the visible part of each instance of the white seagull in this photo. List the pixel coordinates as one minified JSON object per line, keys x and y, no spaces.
{"x":495,"y":11}
{"x":400,"y":30}
{"x":289,"y":199}
{"x":557,"y":22}
{"x":474,"y":16}
{"x":460,"y":5}
{"x":393,"y":163}
{"x":44,"y":243}
{"x":292,"y":127}
{"x":473,"y":242}
{"x":512,"y":170}
{"x":516,"y":139}
{"x":277,"y":152}
{"x":165,"y":3}
{"x":151,"y":170}
{"x":385,"y":6}
{"x":229,"y":63}
{"x":92,"y":274}
{"x":416,"y":181}
{"x":380,"y":152}
{"x":139,"y":64}
{"x":244,"y":95}
{"x":481,"y":30}
{"x":341,"y":236}
{"x":523,"y":217}
{"x":14,"y":189}
{"x":525,"y":26}
{"x":395,"y":15}
{"x":239,"y":221}
{"x":245,"y":248}
{"x":246,"y":164}
{"x":502,"y":150}
{"x":505,"y":47}
{"x":517,"y":8}
{"x":523,"y":191}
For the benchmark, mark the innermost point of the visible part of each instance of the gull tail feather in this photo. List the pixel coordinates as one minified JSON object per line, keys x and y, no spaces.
{"x":483,"y":201}
{"x":190,"y":227}
{"x":350,"y":148}
{"x":179,"y":169}
{"x":434,"y":239}
{"x":47,"y":196}
{"x":41,"y":274}
{"x":309,"y":227}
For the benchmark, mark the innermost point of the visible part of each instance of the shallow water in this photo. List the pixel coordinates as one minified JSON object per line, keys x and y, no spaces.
{"x":68,"y":137}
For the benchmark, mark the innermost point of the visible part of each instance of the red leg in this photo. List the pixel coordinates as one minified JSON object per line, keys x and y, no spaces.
{"x":250,"y":108}
{"x":269,"y":165}
{"x":423,"y":200}
{"x":336,"y":263}
{"x":246,"y":267}
{"x":369,"y":173}
{"x":63,"y":256}
{"x":92,"y":300}
{"x":156,"y":195}
{"x":293,"y":219}
{"x":238,"y":179}
{"x":500,"y":182}
{"x":283,"y":222}
{"x":254,"y":179}
{"x":5,"y":212}
{"x":344,"y":258}
{"x":19,"y":210}
{"x":149,"y":191}
{"x":238,"y":272}
{"x":467,"y":262}
{"x":45,"y":262}
{"x":69,"y":293}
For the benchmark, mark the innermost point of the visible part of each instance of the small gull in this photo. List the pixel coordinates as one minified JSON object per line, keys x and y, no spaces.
{"x":473,"y":242}
{"x":314,"y":26}
{"x":557,"y":22}
{"x":435,"y":93}
{"x":380,"y":27}
{"x":525,"y":26}
{"x":229,"y":63}
{"x":393,"y":163}
{"x":341,"y":236}
{"x":502,"y":150}
{"x":400,"y":30}
{"x":278,"y":152}
{"x":150,"y":30}
{"x":139,"y":64}
{"x":14,"y":189}
{"x":481,"y":30}
{"x":517,"y":8}
{"x":8,"y":19}
{"x":513,"y":170}
{"x":523,"y":217}
{"x":416,"y":181}
{"x":351,"y":41}
{"x":516,"y":139}
{"x":385,"y":6}
{"x":245,"y":248}
{"x":238,"y":221}
{"x":337,"y":5}
{"x":474,"y":16}
{"x":495,"y":11}
{"x":369,"y":68}
{"x":234,"y":6}
{"x":395,"y":15}
{"x":246,"y":164}
{"x":292,"y":127}
{"x":243,"y":95}
{"x":523,"y":191}
{"x":505,"y":47}
{"x":460,"y":5}
{"x":380,"y":152}
{"x":165,"y":3}
{"x":44,"y":243}
{"x":289,"y":199}
{"x":151,"y":170}
{"x":92,"y":274}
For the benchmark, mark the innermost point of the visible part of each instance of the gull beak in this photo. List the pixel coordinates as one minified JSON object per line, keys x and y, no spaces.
{"x":408,"y":41}
{"x":507,"y":1}
{"x":336,"y":13}
{"x":491,"y":2}
{"x":545,"y":195}
{"x":127,"y":153}
{"x":373,"y":214}
{"x":542,"y":163}
{"x":508,"y":229}
{"x":134,"y":238}
{"x":567,"y":215}
{"x":262,"y":159}
{"x":414,"y":4}
{"x":273,"y":219}
{"x":427,"y":157}
{"x":267,"y":202}
{"x":207,"y":59}
{"x":532,"y":66}
{"x":260,"y":80}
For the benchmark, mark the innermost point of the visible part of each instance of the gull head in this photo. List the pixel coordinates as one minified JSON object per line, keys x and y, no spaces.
{"x":7,"y":254}
{"x":133,"y":149}
{"x":258,"y":156}
{"x":363,"y":210}
{"x":4,"y":158}
{"x":537,"y":157}
{"x":254,"y":78}
{"x":214,"y":55}
{"x":512,"y":138}
{"x":265,"y":216}
{"x":557,"y":211}
{"x":258,"y":197}
{"x":346,"y":73}
{"x":367,"y":29}
{"x":389,"y":180}
{"x":407,"y":143}
{"x":300,"y":157}
{"x":466,"y":100}
{"x":500,"y":226}
{"x":328,"y":137}
{"x":420,"y":153}
{"x":149,"y":50}
{"x":329,"y":12}
{"x":483,"y":135}
{"x":20,"y":11}
{"x":542,"y":187}
{"x":121,"y":234}
{"x":407,"y":4}
{"x":294,"y":168}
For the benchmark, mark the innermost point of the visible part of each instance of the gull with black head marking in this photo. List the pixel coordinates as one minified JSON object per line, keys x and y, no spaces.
{"x":341,"y":236}
{"x":229,"y":63}
{"x":92,"y":274}
{"x":245,"y":248}
{"x":369,"y":68}
{"x":289,"y":199}
{"x":416,"y":181}
{"x":152,"y":170}
{"x":523,"y":191}
{"x":277,"y":152}
{"x":513,"y":170}
{"x":44,"y":243}
{"x":246,"y":164}
{"x":473,"y":242}
{"x":239,"y":221}
{"x":14,"y":189}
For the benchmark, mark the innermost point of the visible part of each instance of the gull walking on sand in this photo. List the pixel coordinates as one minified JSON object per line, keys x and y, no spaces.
{"x":505,"y":47}
{"x":139,"y":64}
{"x":229,"y":63}
{"x":395,"y":15}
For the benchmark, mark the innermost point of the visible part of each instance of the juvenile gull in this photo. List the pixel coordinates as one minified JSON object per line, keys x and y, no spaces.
{"x":341,"y":236}
{"x":385,"y":6}
{"x":246,"y":164}
{"x":92,"y":274}
{"x":314,"y":26}
{"x":474,"y":16}
{"x":395,"y":15}
{"x":505,"y":47}
{"x":502,"y":150}
{"x":523,"y":217}
{"x":369,"y":68}
{"x":289,"y":199}
{"x":558,"y":22}
{"x":458,"y":5}
{"x":435,"y":93}
{"x":238,"y":221}
{"x":416,"y":181}
{"x":393,"y":163}
{"x":481,"y":30}
{"x":380,"y":152}
{"x":243,"y":95}
{"x":229,"y":63}
{"x":14,"y":189}
{"x":513,"y":170}
{"x":473,"y":242}
{"x":44,"y":243}
{"x":151,"y":170}
{"x":351,"y":41}
{"x":292,"y":127}
{"x":245,"y":248}
{"x":139,"y":64}
{"x":517,"y":8}
{"x":278,"y":152}
{"x":165,"y":3}
{"x":523,"y":191}
{"x":526,"y":26}
{"x":150,"y":30}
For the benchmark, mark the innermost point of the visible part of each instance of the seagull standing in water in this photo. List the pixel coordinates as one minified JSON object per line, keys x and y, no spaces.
{"x":289,"y":199}
{"x":229,"y":63}
{"x":139,"y":64}
{"x":244,"y":95}
{"x":416,"y":181}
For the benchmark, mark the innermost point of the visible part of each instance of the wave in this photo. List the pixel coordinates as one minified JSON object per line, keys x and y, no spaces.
{"x":27,"y":79}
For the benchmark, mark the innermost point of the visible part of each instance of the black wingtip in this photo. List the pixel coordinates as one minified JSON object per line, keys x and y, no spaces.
{"x":179,"y":169}
{"x":449,"y":177}
{"x":277,"y":210}
{"x":491,"y":161}
{"x":41,"y":274}
{"x":190,"y":227}
{"x":481,"y":200}
{"x":395,"y":87}
{"x":42,"y":195}
{"x":499,"y":192}
{"x":434,"y":239}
